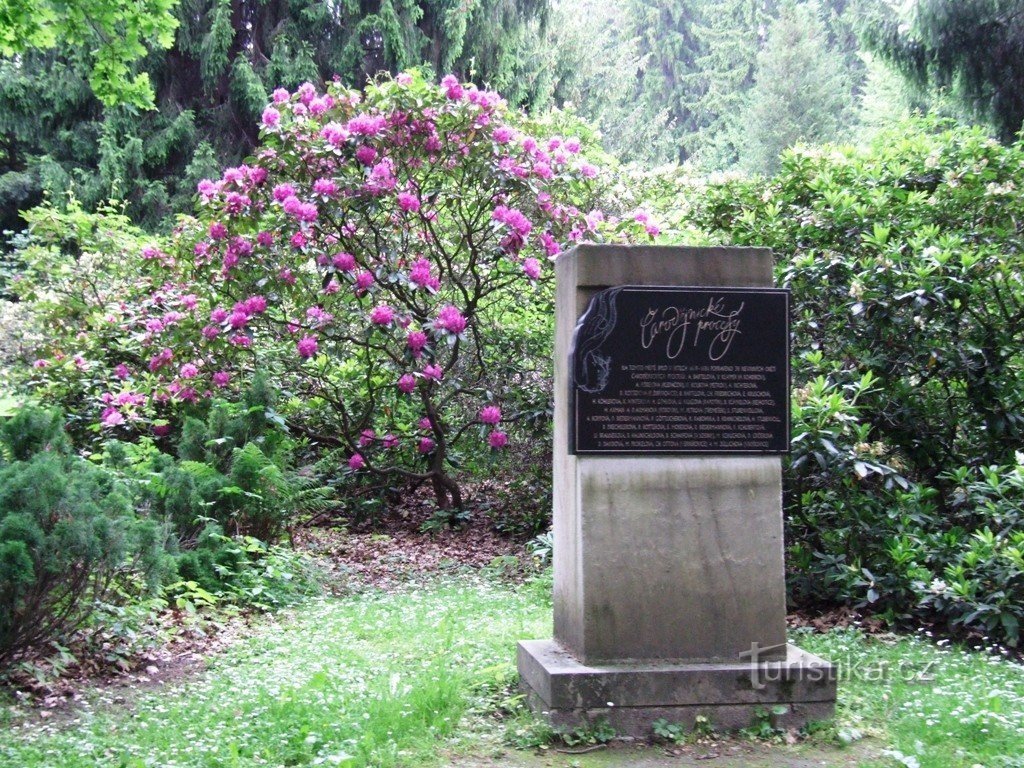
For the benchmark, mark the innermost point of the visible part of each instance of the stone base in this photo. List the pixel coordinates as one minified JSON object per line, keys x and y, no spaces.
{"x":631,"y":696}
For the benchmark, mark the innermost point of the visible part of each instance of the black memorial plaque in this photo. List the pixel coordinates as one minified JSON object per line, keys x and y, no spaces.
{"x":681,"y":370}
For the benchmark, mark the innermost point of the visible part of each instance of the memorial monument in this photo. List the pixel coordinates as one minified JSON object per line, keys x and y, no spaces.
{"x":671,"y":415}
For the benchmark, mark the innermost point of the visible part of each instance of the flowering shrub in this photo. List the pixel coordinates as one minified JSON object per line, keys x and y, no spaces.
{"x":370,"y":253}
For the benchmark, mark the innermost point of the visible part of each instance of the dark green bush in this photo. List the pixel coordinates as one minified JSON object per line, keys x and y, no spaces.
{"x":67,"y":531}
{"x":905,"y":262}
{"x":241,"y":571}
{"x":234,"y":468}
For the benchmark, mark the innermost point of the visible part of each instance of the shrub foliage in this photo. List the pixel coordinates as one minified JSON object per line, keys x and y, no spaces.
{"x":905,"y":265}
{"x":67,"y":531}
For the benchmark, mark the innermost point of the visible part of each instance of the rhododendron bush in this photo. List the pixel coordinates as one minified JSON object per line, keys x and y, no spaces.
{"x":369,"y":254}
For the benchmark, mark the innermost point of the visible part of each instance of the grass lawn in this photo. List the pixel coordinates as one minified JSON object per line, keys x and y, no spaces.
{"x":409,"y":679}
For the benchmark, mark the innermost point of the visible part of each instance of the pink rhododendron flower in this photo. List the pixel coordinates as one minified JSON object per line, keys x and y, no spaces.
{"x":161,"y":430}
{"x":382,"y":314}
{"x":325,"y":187}
{"x":334,"y":134}
{"x":281,"y":95}
{"x":218,"y":231}
{"x":367,"y":437}
{"x":41,"y":363}
{"x":532,"y":268}
{"x":390,"y":441}
{"x":255,"y":305}
{"x":364,"y":280}
{"x":319,"y":106}
{"x":221,"y":378}
{"x":298,"y":240}
{"x":453,"y":89}
{"x":283,"y":191}
{"x":551,"y":246}
{"x":419,"y":274}
{"x":366,"y":154}
{"x":367,"y":125}
{"x":188,"y":371}
{"x":112,"y":417}
{"x":408,"y":202}
{"x":433,"y":372}
{"x":346,"y":262}
{"x":403,"y":78}
{"x":122,"y":371}
{"x":497,"y":439}
{"x":265,"y":238}
{"x":407,"y":383}
{"x":503,"y":134}
{"x":271,"y":117}
{"x":356,"y":462}
{"x":207,"y":189}
{"x":238,"y":319}
{"x":490,"y":414}
{"x":319,"y":316}
{"x":210,"y":331}
{"x":218,"y":315}
{"x":426,"y":423}
{"x":450,"y":319}
{"x":306,"y":92}
{"x":426,"y":445}
{"x":572,"y":144}
{"x":587,"y":171}
{"x":160,"y":359}
{"x":286,"y":276}
{"x":306,"y":346}
{"x":416,"y":341}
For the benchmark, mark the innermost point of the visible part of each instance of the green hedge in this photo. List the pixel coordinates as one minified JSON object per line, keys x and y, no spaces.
{"x":905,"y":263}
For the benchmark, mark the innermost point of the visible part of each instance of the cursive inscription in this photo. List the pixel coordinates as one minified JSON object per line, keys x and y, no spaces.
{"x":676,"y":327}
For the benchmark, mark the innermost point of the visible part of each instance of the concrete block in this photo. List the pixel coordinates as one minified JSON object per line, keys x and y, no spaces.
{"x":632,"y":696}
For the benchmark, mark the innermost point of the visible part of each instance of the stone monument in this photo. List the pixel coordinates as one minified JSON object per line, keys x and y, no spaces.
{"x":671,"y":413}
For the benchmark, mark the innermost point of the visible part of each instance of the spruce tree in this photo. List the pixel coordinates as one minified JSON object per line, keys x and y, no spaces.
{"x":974,"y":48}
{"x":57,"y":137}
{"x":800,"y":91}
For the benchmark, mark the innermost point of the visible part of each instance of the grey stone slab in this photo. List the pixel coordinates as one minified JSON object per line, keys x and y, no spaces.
{"x":565,"y":683}
{"x":661,"y":557}
{"x":684,"y":557}
{"x":630,"y":697}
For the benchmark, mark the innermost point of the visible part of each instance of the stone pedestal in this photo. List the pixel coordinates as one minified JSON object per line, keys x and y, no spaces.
{"x":669,"y":594}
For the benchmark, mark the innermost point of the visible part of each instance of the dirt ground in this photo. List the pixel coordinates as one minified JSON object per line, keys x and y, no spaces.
{"x":726,"y":752}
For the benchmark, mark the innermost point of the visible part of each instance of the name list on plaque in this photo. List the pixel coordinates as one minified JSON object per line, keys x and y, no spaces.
{"x":681,"y":370}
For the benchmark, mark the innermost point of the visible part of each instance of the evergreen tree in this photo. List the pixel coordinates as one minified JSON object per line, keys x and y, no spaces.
{"x":975,"y":48}
{"x":211,"y":86}
{"x":800,"y":93}
{"x":669,"y":51}
{"x":729,"y":36}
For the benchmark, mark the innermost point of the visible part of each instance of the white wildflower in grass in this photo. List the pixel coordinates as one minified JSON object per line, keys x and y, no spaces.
{"x":380,"y":679}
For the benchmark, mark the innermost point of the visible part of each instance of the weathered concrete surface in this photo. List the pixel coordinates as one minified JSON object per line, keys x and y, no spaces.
{"x":631,"y":696}
{"x":661,"y":557}
{"x":684,"y":558}
{"x":667,"y":569}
